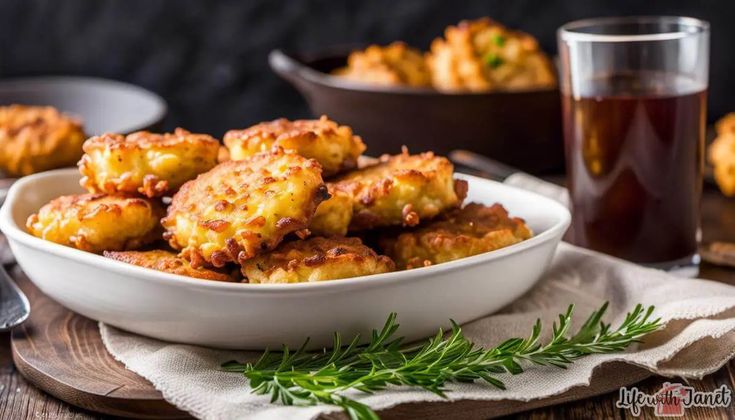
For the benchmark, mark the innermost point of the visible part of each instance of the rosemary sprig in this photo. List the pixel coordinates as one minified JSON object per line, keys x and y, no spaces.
{"x":309,"y":378}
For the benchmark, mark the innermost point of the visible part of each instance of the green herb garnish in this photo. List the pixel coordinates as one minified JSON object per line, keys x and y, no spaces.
{"x":310,"y":378}
{"x":499,"y":40}
{"x":493,"y":60}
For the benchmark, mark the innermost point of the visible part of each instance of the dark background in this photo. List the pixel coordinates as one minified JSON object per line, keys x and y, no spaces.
{"x":208,"y":59}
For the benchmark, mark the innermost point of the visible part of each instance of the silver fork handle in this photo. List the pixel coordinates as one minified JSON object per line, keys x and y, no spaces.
{"x":14,"y":305}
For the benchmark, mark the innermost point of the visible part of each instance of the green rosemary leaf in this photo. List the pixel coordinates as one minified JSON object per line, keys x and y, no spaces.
{"x":322,"y":377}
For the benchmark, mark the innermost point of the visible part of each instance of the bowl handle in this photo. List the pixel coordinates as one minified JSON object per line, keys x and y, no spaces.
{"x":290,"y":69}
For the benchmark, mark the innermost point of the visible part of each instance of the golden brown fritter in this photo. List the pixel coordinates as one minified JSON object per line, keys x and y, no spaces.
{"x":242,"y":208}
{"x":37,"y":138}
{"x":146,"y":163}
{"x":722,"y":155}
{"x":457,"y":234}
{"x":333,"y":216}
{"x":316,"y":259}
{"x":395,"y":64}
{"x":168,"y":262}
{"x":402,"y":190}
{"x":332,"y":145}
{"x":482,"y":55}
{"x":98,"y":222}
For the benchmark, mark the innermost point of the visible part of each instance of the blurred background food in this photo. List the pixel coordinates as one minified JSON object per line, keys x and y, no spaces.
{"x":483,"y":55}
{"x":208,"y":59}
{"x":44,"y":120}
{"x":475,"y":55}
{"x":721,"y":154}
{"x":38,"y":138}
{"x":394,"y":64}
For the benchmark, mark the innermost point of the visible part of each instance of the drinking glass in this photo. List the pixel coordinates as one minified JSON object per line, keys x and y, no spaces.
{"x":634,"y":93}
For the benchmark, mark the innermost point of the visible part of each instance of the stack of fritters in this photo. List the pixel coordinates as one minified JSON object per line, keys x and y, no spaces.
{"x":125,"y":177}
{"x":287,"y":207}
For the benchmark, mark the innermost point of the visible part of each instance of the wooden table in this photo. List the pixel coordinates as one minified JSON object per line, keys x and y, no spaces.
{"x":20,"y":400}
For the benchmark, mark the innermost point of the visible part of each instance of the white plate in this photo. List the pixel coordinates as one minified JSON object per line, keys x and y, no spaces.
{"x":255,"y":316}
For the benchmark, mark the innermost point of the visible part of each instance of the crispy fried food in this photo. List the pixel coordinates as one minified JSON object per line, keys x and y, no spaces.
{"x":401,"y":190}
{"x":36,"y":138}
{"x":98,"y":222}
{"x":482,"y":55}
{"x":332,"y":145}
{"x":316,"y":259}
{"x":223,"y":155}
{"x":146,"y":163}
{"x":722,"y":155}
{"x":333,"y":216}
{"x":395,"y":64}
{"x":244,"y":207}
{"x":726,"y":125}
{"x":457,"y":234}
{"x":168,"y":262}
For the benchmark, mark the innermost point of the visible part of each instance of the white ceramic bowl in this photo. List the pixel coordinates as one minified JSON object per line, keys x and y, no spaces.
{"x":255,"y":316}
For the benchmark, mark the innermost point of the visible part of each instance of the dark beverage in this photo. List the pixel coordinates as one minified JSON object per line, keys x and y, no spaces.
{"x":634,"y":160}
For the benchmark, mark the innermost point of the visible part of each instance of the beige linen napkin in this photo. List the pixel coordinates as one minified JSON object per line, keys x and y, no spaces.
{"x":698,"y":339}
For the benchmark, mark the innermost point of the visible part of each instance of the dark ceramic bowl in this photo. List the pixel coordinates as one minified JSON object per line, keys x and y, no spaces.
{"x":521,"y":128}
{"x":102,"y":105}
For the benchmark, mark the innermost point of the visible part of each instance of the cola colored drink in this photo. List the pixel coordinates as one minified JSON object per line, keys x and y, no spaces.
{"x":634,"y":151}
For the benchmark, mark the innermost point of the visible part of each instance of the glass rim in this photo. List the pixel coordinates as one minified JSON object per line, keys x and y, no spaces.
{"x":570,"y":31}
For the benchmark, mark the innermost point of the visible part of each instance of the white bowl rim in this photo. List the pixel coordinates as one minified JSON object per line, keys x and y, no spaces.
{"x":16,"y":233}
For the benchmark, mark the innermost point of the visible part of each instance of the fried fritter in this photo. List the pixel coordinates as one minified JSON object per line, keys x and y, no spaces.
{"x":316,"y":259}
{"x":333,"y":216}
{"x":146,"y":163}
{"x":332,"y":145}
{"x":242,"y":208}
{"x":98,"y":222}
{"x":459,"y":233}
{"x":395,"y":64}
{"x":722,"y":155}
{"x":168,"y":262}
{"x":482,"y":55}
{"x":36,"y":138}
{"x":401,"y":190}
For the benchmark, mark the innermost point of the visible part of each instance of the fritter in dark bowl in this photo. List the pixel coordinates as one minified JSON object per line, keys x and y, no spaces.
{"x":396,"y":64}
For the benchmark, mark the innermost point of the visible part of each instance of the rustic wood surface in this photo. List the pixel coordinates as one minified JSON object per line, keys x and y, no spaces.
{"x":21,"y":400}
{"x":62,"y":353}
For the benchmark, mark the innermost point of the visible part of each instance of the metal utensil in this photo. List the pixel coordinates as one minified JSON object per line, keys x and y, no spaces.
{"x":488,"y":167}
{"x":6,"y":257}
{"x":493,"y":169}
{"x":14,"y":305}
